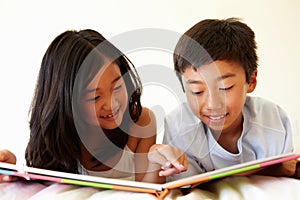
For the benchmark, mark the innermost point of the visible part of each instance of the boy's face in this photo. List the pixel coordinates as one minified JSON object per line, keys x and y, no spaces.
{"x":216,"y":93}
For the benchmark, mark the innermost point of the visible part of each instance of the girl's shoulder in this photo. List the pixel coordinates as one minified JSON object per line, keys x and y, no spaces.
{"x":146,"y":118}
{"x":145,"y":126}
{"x":142,"y":134}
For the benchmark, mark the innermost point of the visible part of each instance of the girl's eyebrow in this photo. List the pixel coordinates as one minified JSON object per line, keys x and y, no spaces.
{"x":116,"y":79}
{"x":95,"y":89}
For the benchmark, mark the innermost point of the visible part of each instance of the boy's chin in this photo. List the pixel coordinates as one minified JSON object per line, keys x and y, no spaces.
{"x":215,"y":126}
{"x":216,"y":129}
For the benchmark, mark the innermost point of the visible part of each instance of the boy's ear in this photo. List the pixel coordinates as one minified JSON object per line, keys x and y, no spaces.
{"x":252,"y":82}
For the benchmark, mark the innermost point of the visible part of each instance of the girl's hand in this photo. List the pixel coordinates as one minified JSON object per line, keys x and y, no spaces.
{"x":8,"y":157}
{"x":171,"y":159}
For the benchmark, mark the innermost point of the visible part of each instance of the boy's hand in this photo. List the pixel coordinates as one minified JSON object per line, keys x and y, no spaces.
{"x":297,"y":173}
{"x":8,"y":157}
{"x":171,"y":159}
{"x":286,"y":169}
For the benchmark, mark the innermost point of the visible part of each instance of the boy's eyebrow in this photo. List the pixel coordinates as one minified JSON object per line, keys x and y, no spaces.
{"x":194,"y":81}
{"x":95,"y":89}
{"x":228,"y":75}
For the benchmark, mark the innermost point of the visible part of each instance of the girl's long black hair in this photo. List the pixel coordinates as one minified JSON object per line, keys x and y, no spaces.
{"x":54,"y":141}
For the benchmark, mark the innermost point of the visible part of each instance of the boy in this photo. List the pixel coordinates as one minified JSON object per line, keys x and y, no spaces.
{"x":220,"y":125}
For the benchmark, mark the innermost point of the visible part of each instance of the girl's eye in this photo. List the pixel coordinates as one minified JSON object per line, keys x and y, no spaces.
{"x":118,"y":87}
{"x":227,"y":88}
{"x":94,"y":98}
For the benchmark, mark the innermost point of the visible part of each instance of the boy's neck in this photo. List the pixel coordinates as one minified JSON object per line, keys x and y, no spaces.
{"x":229,"y":137}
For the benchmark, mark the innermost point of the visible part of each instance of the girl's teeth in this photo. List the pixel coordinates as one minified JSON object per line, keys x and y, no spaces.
{"x":110,"y":115}
{"x":107,"y":116}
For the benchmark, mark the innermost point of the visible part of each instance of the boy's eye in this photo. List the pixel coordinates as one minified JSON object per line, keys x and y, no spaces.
{"x":196,"y":93}
{"x":227,"y":88}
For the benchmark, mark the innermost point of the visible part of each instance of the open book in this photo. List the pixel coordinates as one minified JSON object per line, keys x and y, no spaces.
{"x":160,"y":190}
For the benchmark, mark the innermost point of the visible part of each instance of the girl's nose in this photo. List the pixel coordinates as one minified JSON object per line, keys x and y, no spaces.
{"x":109,"y":103}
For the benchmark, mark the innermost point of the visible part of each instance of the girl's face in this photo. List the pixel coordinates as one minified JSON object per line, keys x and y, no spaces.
{"x":216,"y":93}
{"x":105,"y":99}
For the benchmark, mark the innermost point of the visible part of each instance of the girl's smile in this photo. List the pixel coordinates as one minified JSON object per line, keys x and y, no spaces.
{"x":111,"y":117}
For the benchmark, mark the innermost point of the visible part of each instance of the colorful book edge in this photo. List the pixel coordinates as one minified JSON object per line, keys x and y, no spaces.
{"x":160,"y":190}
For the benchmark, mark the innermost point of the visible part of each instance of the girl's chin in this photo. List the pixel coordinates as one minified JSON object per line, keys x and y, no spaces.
{"x":110,"y":124}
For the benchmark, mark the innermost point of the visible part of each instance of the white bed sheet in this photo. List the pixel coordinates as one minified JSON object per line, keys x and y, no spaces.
{"x":231,"y":188}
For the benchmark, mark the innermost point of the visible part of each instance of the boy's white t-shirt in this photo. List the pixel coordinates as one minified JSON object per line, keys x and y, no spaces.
{"x":266,"y":132}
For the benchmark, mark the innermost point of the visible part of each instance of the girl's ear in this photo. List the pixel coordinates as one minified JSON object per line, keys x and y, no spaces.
{"x":252,"y":82}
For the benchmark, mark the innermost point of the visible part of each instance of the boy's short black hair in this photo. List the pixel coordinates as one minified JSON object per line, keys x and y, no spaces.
{"x":213,"y":39}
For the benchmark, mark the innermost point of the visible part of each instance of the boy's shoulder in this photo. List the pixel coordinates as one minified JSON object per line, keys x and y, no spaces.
{"x":258,"y":104}
{"x":261,"y":110}
{"x":181,"y":116}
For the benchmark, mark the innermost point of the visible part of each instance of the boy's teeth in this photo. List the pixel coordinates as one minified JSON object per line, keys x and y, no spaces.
{"x":217,"y":118}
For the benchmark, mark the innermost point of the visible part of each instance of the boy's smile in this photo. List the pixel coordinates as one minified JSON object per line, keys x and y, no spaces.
{"x":216,"y":93}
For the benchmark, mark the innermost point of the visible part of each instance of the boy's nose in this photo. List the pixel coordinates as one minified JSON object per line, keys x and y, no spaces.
{"x":215,"y":100}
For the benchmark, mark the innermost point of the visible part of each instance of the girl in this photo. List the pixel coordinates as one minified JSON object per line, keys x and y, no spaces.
{"x":86,"y":115}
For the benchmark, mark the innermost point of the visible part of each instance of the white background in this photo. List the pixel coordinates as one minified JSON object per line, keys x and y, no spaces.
{"x":28,"y":27}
